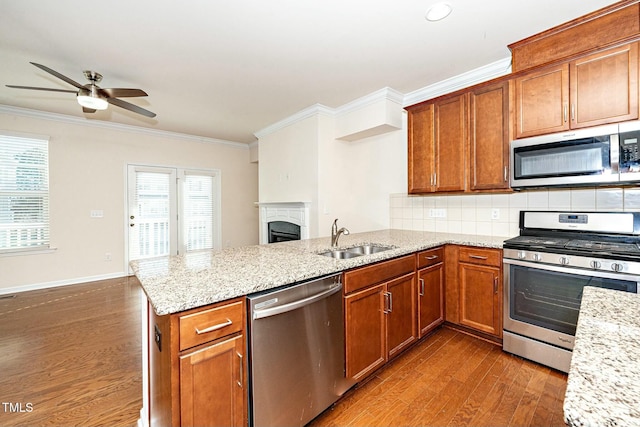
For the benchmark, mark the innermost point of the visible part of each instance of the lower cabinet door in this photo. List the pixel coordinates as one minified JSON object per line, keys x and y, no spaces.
{"x":480,"y":306}
{"x":365,"y":331}
{"x":212,"y":385}
{"x":401,"y":313}
{"x":430,"y":298}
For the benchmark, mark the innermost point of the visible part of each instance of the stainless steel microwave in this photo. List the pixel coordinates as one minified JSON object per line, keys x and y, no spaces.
{"x":593,"y":156}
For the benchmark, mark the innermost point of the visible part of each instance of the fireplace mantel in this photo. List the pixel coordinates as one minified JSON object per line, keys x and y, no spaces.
{"x":293,"y":212}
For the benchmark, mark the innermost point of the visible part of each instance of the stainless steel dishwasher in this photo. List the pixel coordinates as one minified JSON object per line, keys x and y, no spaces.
{"x":296,"y":351}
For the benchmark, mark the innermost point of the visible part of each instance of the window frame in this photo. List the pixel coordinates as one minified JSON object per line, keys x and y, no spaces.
{"x":7,"y":137}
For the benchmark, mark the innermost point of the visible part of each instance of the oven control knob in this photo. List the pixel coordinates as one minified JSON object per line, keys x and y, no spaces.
{"x":522,"y":254}
{"x":537,"y":257}
{"x":617,"y":266}
{"x":595,"y":264}
{"x":564,"y":260}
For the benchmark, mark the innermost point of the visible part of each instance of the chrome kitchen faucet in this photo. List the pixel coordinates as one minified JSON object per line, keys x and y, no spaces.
{"x":335,"y":233}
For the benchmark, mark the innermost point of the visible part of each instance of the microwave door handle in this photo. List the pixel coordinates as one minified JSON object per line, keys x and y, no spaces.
{"x":614,"y":144}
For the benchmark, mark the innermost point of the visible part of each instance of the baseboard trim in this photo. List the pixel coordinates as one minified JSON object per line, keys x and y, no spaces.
{"x":58,"y":283}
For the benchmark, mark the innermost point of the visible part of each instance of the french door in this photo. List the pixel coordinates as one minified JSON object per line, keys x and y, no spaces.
{"x":172,"y":211}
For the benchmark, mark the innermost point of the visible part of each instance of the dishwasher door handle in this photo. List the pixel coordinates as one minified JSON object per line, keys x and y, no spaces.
{"x":267,"y":312}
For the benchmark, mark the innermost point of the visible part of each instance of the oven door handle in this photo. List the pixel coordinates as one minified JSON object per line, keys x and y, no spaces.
{"x":571,"y":270}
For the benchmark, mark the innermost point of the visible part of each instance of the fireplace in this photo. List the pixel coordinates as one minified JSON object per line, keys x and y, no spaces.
{"x":282,"y":231}
{"x":282,"y":221}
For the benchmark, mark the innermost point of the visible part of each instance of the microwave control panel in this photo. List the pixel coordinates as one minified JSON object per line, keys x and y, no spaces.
{"x":630,"y":151}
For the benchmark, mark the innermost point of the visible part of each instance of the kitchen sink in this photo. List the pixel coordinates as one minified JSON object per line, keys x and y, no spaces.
{"x":340,"y":254}
{"x":369,"y":249}
{"x":355,"y":251}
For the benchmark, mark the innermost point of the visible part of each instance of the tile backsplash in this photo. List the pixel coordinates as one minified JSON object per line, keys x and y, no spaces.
{"x":498,"y":214}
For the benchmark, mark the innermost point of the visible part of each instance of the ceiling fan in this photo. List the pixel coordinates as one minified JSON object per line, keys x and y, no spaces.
{"x":92,"y":97}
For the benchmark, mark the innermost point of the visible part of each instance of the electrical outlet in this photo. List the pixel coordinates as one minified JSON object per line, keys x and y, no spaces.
{"x":107,"y":256}
{"x":495,"y":213}
{"x":97,"y":213}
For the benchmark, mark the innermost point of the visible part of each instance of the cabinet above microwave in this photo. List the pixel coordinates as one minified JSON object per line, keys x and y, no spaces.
{"x":602,"y":155}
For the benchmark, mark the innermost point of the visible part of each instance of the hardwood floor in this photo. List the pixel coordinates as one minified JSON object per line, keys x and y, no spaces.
{"x":71,"y":356}
{"x":456,"y":380}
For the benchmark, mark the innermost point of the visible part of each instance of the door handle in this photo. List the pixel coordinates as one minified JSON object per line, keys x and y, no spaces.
{"x":214,"y":327}
{"x":388,"y":302}
{"x":241,"y":373}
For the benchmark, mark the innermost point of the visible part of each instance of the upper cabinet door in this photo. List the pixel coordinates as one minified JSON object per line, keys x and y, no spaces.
{"x":604,"y":87}
{"x":489,"y":137}
{"x":450,"y":144}
{"x":420,"y":165}
{"x":542,"y":102}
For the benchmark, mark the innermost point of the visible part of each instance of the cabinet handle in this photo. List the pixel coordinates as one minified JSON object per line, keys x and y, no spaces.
{"x":240,"y":375}
{"x":478,"y":257}
{"x":495,"y":285}
{"x":386,"y":302}
{"x":573,"y":112}
{"x":430,"y":257}
{"x":214,"y":327}
{"x":435,"y":179}
{"x":390,"y":301}
{"x":431,"y":178}
{"x":564,"y":113}
{"x":506,"y":174}
{"x":421,"y":293}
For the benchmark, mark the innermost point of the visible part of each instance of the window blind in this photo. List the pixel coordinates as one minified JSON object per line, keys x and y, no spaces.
{"x":153,"y":202}
{"x":24,"y":193}
{"x":199,"y":214}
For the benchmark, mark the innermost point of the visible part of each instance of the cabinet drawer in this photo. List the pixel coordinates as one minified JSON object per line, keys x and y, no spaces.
{"x":203,"y":326}
{"x":430,"y":257}
{"x":480,"y":256}
{"x":378,"y":273}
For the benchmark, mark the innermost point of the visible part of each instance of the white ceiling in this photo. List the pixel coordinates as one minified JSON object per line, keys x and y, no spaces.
{"x":227,"y":68}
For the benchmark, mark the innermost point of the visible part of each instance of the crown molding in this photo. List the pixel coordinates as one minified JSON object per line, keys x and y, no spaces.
{"x":63,"y":118}
{"x":478,"y":75}
{"x":297,"y":117}
{"x":383,"y":94}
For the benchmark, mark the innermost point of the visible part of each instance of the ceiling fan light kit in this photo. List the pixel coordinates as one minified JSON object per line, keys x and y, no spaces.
{"x":90,"y":96}
{"x":438,"y":12}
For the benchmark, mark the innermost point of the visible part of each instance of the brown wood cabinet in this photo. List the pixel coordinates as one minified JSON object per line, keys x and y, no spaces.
{"x":450,"y":144}
{"x":380,"y":314}
{"x":460,"y":143}
{"x":197,"y":369}
{"x":480,"y":289}
{"x":421,"y":149}
{"x":489,"y":137}
{"x":430,"y":290}
{"x":595,"y":89}
{"x":437,"y":146}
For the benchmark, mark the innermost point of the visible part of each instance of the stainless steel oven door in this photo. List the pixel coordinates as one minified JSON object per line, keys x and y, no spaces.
{"x":543,"y":301}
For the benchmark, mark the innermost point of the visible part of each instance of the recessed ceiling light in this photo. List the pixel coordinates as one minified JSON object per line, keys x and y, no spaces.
{"x":438,"y":11}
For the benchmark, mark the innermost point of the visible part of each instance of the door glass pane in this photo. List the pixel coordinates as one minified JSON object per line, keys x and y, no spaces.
{"x":552,"y":299}
{"x":151,"y":211}
{"x":199,"y":211}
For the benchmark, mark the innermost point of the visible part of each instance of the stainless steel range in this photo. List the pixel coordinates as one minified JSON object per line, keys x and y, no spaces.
{"x":546,"y":268}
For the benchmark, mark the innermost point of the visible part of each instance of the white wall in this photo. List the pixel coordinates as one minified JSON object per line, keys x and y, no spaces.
{"x":303,"y":161}
{"x":88,"y":171}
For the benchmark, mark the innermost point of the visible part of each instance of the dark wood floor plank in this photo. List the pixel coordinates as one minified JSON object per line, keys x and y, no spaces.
{"x":74,"y":353}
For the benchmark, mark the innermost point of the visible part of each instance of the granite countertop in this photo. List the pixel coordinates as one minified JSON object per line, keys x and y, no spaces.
{"x":603,"y":388}
{"x":177,"y":283}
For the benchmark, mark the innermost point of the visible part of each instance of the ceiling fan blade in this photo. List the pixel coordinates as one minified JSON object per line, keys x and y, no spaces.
{"x":128,"y":106}
{"x":58,"y":75}
{"x":88,"y":110}
{"x":42,"y":88}
{"x":123,"y":93}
